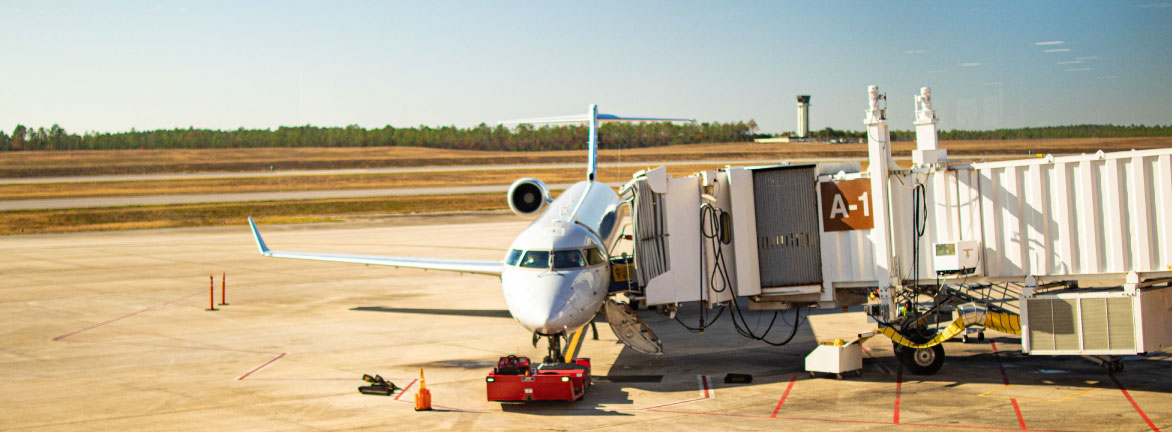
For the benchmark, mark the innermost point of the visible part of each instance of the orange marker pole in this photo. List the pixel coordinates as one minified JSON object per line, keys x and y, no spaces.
{"x":211,"y":293}
{"x":223,"y":288}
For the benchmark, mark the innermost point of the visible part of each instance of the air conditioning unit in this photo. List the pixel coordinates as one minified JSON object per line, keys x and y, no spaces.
{"x":1107,"y":322}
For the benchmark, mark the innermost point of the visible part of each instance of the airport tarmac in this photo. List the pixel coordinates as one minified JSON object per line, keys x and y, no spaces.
{"x":109,"y":331}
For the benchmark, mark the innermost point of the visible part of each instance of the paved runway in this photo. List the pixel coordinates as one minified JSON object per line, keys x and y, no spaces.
{"x":66,"y":203}
{"x":360,"y":171}
{"x":107,"y":331}
{"x":429,"y":169}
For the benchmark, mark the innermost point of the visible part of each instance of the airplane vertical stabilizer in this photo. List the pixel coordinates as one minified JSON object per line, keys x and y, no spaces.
{"x":593,"y":118}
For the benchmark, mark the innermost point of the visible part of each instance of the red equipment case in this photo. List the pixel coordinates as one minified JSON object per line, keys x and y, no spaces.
{"x":516,"y":380}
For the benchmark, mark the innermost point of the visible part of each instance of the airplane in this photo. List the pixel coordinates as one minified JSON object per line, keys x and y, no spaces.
{"x":555,"y":275}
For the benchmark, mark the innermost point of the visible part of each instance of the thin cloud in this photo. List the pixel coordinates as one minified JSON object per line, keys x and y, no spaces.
{"x":970,"y":64}
{"x":914,"y":52}
{"x":1086,"y":58}
{"x":1058,"y":50}
{"x":1071,"y":62}
{"x":1049,"y":43}
{"x":1078,"y":69}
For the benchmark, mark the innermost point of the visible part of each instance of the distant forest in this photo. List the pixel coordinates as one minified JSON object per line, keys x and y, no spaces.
{"x":1047,"y":132}
{"x":499,"y":138}
{"x":482,"y":137}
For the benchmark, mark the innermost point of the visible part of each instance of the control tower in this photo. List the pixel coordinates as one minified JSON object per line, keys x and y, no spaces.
{"x":803,"y":116}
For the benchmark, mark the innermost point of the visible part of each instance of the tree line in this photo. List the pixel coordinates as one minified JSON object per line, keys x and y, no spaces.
{"x":500,"y":138}
{"x":1045,"y":132}
{"x":482,"y":137}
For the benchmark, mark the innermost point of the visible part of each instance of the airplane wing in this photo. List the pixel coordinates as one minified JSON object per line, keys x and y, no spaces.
{"x":446,"y":264}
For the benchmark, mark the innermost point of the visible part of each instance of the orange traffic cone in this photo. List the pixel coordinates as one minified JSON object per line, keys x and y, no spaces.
{"x":423,"y":396}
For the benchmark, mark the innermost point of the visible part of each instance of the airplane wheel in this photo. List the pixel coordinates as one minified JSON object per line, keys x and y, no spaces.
{"x":921,"y":361}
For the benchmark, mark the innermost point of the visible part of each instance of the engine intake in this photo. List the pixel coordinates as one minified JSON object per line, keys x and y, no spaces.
{"x":528,"y":196}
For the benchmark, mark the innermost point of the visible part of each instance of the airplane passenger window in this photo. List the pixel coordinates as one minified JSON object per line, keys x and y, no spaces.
{"x":514,"y":256}
{"x":566,"y":259}
{"x":595,"y":256}
{"x":535,"y":259}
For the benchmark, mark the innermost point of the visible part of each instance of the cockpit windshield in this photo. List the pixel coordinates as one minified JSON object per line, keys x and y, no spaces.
{"x":513,"y":258}
{"x":568,"y":259}
{"x":535,"y":259}
{"x":558,"y":260}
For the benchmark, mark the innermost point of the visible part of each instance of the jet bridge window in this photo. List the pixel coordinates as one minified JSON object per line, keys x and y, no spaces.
{"x":535,"y":259}
{"x":514,"y":256}
{"x":568,"y":259}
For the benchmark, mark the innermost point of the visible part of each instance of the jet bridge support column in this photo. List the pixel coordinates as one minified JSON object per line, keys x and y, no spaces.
{"x":879,"y":158}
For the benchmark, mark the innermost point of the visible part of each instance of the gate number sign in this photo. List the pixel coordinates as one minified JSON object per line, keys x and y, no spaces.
{"x":846,"y":205}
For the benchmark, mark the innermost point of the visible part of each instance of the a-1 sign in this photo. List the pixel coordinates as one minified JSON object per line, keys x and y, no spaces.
{"x":846,"y":205}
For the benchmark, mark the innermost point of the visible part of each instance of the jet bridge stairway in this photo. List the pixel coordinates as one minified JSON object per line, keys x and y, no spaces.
{"x":1001,"y":298}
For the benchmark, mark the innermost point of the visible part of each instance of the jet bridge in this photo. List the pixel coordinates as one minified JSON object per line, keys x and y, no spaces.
{"x":1004,"y":238}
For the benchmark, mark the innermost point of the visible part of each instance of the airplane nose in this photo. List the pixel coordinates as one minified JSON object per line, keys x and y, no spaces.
{"x":541,"y":302}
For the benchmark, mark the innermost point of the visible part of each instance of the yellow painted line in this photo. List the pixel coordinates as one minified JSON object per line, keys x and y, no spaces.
{"x":572,"y":350}
{"x":1063,"y":398}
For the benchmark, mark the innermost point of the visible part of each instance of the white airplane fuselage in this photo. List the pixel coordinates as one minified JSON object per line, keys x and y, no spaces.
{"x":556,"y":273}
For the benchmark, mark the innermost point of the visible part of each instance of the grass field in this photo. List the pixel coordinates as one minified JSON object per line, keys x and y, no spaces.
{"x":308,"y":182}
{"x":96,"y":162}
{"x":24,"y":164}
{"x":235,"y":214}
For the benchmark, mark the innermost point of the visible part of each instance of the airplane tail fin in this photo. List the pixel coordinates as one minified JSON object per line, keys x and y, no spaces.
{"x":593,"y":118}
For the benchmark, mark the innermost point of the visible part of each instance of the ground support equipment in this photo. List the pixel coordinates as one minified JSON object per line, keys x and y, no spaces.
{"x":516,"y":380}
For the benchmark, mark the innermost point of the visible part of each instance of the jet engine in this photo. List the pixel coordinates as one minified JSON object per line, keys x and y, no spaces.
{"x":528,"y":196}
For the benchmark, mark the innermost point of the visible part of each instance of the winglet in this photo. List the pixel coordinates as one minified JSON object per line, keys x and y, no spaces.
{"x":260,"y":242}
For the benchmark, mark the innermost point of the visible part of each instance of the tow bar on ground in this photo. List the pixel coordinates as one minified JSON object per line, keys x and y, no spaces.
{"x":378,"y":386}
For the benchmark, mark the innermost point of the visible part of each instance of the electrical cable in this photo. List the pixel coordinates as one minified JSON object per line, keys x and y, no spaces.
{"x":711,"y":230}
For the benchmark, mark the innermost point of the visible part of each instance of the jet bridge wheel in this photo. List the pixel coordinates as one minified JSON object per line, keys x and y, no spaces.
{"x":920,"y":361}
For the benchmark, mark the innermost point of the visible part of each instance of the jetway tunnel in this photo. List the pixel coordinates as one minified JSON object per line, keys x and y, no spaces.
{"x":1026,"y":237}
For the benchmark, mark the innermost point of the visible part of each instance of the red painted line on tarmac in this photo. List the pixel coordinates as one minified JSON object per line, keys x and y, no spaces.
{"x":404,"y":390}
{"x":705,"y":393}
{"x":650,"y":408}
{"x":262,"y":366}
{"x":1017,"y":410}
{"x":784,"y":395}
{"x":898,"y":391}
{"x":64,"y":337}
{"x":1005,"y":379}
{"x":1133,"y":403}
{"x":867,"y":422}
{"x":128,"y":315}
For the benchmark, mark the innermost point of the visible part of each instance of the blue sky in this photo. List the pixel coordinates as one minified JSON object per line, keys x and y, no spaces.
{"x":113,"y":66}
